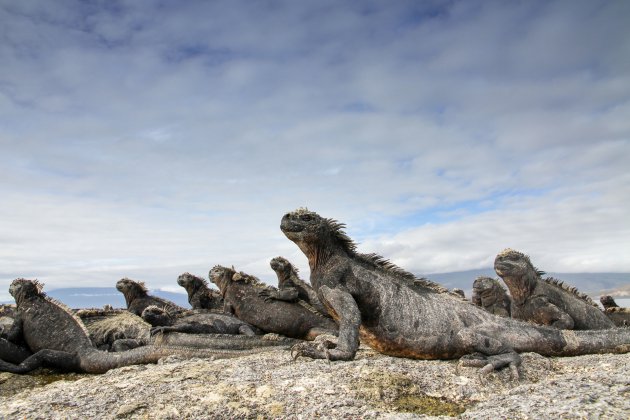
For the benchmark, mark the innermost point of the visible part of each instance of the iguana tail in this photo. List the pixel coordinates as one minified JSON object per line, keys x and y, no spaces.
{"x":613,"y":340}
{"x":216,"y":346}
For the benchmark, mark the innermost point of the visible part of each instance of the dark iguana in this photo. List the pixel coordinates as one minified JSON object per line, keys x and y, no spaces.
{"x":241,"y":296}
{"x":106,"y":326}
{"x":57,"y":338}
{"x":199,"y":321}
{"x":618,"y":315}
{"x":489,"y":294}
{"x":400,"y":315}
{"x":138,"y":298}
{"x":546,"y":301}
{"x":200,"y":296}
{"x":291,"y":287}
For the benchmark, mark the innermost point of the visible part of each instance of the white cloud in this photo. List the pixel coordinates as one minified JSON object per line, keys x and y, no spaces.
{"x":145,"y":141}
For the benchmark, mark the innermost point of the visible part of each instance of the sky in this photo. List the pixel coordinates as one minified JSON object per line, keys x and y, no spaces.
{"x":144,"y":139}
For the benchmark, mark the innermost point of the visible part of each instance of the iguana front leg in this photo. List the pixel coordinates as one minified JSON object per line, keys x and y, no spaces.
{"x":549,"y":314}
{"x":487,"y":352}
{"x":54,"y":358}
{"x":289,"y":294}
{"x":345,"y":310}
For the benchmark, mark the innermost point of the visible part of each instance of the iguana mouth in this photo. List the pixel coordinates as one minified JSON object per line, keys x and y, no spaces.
{"x":289,"y":226}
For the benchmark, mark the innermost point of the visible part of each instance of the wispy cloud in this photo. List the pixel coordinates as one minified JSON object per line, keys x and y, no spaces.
{"x":145,"y":139}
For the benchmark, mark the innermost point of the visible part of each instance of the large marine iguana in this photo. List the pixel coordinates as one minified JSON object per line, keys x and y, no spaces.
{"x":241,"y":296}
{"x":618,"y":315}
{"x":57,"y":338}
{"x":491,"y":296}
{"x":400,"y":315}
{"x":138,"y":298}
{"x":290,"y":286}
{"x":199,"y":321}
{"x":200,"y":296}
{"x":546,"y":301}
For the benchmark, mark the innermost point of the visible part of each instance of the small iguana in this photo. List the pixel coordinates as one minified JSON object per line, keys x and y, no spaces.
{"x":546,"y":301}
{"x":491,"y":296}
{"x":200,"y":296}
{"x":400,"y":315}
{"x":241,"y":296}
{"x":291,"y":287}
{"x":196,"y":321}
{"x":57,"y":338}
{"x":137,"y":297}
{"x":619,"y":316}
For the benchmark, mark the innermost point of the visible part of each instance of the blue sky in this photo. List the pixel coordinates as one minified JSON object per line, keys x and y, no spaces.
{"x":146,"y":138}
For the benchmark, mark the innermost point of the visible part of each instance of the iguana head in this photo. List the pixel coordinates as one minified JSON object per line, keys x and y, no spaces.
{"x":130,"y":287}
{"x":513,"y":263}
{"x":282,"y":266}
{"x":191,"y":282}
{"x":302,"y":225}
{"x":156,"y":316}
{"x":23,"y":289}
{"x":608,"y":302}
{"x":485,"y":290}
{"x":221,"y":276}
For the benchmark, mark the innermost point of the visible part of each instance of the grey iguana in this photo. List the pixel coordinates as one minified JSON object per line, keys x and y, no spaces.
{"x":196,"y":321}
{"x":200,"y":296}
{"x":546,"y":301}
{"x":489,"y":294}
{"x":241,"y":296}
{"x":290,"y":286}
{"x":137,"y":297}
{"x":398,"y":314}
{"x":57,"y":338}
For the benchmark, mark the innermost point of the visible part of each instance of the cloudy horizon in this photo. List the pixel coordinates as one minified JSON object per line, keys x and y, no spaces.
{"x":144,"y":139}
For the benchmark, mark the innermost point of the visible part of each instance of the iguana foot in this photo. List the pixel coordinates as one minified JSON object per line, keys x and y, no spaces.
{"x":494,"y":362}
{"x":325,"y":349}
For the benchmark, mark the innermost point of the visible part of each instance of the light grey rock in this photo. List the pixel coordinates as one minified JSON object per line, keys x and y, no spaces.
{"x":272,"y":385}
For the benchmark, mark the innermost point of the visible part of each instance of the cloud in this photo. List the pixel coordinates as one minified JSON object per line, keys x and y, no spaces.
{"x":140,"y":139}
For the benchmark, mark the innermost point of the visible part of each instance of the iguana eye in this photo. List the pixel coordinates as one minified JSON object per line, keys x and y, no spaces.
{"x":306,"y":217}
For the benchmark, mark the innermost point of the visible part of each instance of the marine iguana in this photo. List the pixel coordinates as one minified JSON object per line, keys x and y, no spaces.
{"x":138,"y":298}
{"x":400,"y":315}
{"x":546,"y":301}
{"x":200,"y":296}
{"x":106,"y":326}
{"x":241,"y":296}
{"x":619,"y":316}
{"x":491,"y":296}
{"x":58,"y":338}
{"x":290,"y":286}
{"x":195,"y":322}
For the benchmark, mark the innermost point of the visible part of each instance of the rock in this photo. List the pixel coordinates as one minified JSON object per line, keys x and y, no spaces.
{"x":272,"y":385}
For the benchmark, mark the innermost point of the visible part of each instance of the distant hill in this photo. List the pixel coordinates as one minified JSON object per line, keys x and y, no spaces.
{"x":96,"y":297}
{"x":593,"y":284}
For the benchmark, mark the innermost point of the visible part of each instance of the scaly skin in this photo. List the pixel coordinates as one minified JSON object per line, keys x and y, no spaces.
{"x":491,"y":296}
{"x":138,"y":298}
{"x":241,"y":296}
{"x":290,"y":286}
{"x":399,"y":315}
{"x":544,"y":301}
{"x":200,"y":296}
{"x":57,"y":338}
{"x":199,"y":321}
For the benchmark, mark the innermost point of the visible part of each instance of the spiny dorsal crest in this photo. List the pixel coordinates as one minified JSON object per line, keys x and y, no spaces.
{"x":377,"y":260}
{"x":247,"y":279}
{"x":571,"y":289}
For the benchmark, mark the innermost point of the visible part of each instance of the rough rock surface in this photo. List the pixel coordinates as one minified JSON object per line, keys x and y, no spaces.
{"x":272,"y":385}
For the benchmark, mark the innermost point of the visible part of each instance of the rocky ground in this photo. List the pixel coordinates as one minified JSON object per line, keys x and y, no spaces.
{"x":272,"y":385}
